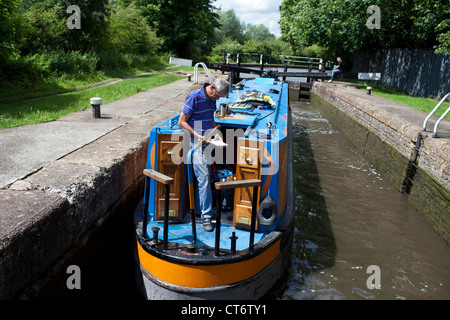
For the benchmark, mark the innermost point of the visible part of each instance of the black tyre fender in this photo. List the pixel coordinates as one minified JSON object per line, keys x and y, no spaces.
{"x":267,"y":204}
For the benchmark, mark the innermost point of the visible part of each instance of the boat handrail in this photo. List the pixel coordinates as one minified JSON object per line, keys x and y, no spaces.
{"x":167,"y":181}
{"x":424,"y":127}
{"x":220,"y":186}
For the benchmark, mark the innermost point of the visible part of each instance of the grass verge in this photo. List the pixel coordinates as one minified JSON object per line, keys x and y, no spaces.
{"x":424,"y":104}
{"x":53,"y":107}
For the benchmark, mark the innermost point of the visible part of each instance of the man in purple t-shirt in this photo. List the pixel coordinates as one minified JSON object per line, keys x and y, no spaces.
{"x":197,"y":117}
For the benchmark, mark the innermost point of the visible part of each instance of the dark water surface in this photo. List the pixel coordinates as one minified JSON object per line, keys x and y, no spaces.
{"x":349,"y":218}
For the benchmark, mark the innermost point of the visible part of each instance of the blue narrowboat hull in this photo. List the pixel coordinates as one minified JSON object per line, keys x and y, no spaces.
{"x":250,"y":247}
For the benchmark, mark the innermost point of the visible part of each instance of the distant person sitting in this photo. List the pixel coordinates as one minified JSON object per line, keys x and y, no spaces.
{"x":339,"y":68}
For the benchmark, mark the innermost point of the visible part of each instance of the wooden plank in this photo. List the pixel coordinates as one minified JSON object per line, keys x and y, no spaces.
{"x":369,"y":76}
{"x":237,"y":184}
{"x":181,"y":62}
{"x":162,"y":178}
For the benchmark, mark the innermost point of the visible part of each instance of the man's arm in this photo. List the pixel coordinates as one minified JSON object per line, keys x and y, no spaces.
{"x":182,"y":122}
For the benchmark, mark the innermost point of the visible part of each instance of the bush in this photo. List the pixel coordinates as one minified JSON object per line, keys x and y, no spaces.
{"x":24,"y":69}
{"x":120,"y":62}
{"x":228,"y":46}
{"x":36,"y":67}
{"x":128,"y":32}
{"x":74,"y":63}
{"x":313,"y":51}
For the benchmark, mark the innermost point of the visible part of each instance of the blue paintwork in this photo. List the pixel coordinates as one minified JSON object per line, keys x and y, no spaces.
{"x":182,"y":233}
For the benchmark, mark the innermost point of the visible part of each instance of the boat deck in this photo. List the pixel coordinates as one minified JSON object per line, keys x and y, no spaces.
{"x":181,"y":232}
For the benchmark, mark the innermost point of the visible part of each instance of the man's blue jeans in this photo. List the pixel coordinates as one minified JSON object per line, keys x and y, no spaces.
{"x":334,"y":72}
{"x":202,"y":172}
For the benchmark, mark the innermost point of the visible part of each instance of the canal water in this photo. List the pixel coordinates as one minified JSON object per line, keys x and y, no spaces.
{"x":354,"y":231}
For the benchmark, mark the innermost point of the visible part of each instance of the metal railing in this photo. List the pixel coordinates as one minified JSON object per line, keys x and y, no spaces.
{"x":211,"y":79}
{"x":281,"y":60}
{"x":308,"y":61}
{"x":424,"y":127}
{"x":220,"y":186}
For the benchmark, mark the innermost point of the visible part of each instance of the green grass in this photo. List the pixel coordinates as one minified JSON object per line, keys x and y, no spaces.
{"x":15,"y":93}
{"x":424,"y":104}
{"x":53,"y":107}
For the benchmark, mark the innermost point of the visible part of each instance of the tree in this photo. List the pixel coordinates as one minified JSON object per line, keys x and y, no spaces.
{"x":233,"y":36}
{"x":340,"y":25}
{"x":258,"y":32}
{"x":230,"y":27}
{"x":443,"y":37}
{"x":128,"y":32}
{"x":9,"y":30}
{"x":89,"y":37}
{"x":42,"y":29}
{"x":181,"y":25}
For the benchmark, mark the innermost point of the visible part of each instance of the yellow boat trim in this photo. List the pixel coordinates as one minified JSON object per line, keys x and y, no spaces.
{"x":153,"y":158}
{"x":199,"y":276}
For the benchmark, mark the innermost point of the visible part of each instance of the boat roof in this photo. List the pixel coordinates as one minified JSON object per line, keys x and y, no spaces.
{"x":258,"y":103}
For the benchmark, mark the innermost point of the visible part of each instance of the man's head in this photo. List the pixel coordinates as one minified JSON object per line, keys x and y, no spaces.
{"x":339,"y":59}
{"x":218,"y":89}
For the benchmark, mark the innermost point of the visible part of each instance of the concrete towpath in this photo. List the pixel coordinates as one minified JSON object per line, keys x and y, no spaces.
{"x":60,"y":180}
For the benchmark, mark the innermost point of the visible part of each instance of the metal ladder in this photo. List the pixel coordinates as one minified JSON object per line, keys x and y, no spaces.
{"x":424,"y":127}
{"x":206,"y":70}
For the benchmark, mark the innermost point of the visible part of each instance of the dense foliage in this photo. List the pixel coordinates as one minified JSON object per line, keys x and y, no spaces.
{"x":126,"y":35}
{"x":341,"y":25}
{"x":116,"y":36}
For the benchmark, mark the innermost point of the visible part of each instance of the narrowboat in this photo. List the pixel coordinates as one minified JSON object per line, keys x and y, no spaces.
{"x":252,"y":183}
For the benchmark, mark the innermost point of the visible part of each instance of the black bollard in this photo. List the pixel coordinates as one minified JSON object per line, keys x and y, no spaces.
{"x":233,"y":242}
{"x":155,"y":235}
{"x":96,"y":103}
